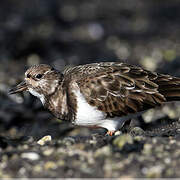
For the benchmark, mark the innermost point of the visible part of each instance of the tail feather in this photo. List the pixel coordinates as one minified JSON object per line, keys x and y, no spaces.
{"x":169,"y":87}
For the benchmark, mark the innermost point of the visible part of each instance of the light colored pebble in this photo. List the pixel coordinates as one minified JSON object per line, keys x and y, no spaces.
{"x":48,"y":152}
{"x":50,"y":165}
{"x":30,"y":155}
{"x":117,"y":133}
{"x":44,"y":140}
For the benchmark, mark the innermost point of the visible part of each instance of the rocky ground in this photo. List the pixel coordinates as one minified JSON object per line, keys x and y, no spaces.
{"x":78,"y":32}
{"x":132,"y":154}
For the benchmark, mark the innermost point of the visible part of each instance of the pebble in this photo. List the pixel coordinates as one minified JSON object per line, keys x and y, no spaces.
{"x":147,"y":149}
{"x":30,"y":155}
{"x":50,"y":165}
{"x":48,"y":151}
{"x":68,"y":141}
{"x":44,"y":140}
{"x":37,"y":168}
{"x":120,"y":141}
{"x":155,"y":171}
{"x":104,"y":151}
{"x":139,"y":138}
{"x":137,"y":131}
{"x":117,"y":133}
{"x":167,"y":160}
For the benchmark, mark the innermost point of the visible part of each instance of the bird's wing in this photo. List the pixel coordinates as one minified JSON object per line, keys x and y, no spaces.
{"x":117,"y":88}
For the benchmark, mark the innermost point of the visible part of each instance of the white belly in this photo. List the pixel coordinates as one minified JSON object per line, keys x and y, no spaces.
{"x":88,"y":115}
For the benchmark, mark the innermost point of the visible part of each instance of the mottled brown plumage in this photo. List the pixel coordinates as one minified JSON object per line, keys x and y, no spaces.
{"x":119,"y":88}
{"x":113,"y":89}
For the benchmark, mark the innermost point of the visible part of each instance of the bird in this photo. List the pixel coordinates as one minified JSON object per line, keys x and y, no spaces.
{"x":99,"y":95}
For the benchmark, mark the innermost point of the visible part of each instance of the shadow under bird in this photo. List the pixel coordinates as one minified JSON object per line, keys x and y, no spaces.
{"x":102,"y":94}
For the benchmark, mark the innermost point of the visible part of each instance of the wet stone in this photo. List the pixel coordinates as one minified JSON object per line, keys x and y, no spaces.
{"x":104,"y":151}
{"x":44,"y":140}
{"x":137,"y":131}
{"x":30,"y":155}
{"x":122,"y":140}
{"x":68,"y":141}
{"x":147,"y":150}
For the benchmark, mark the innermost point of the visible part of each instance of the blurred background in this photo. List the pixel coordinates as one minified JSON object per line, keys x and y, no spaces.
{"x":63,"y":33}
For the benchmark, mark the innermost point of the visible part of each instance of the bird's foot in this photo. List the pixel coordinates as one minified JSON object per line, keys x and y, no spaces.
{"x":110,"y":133}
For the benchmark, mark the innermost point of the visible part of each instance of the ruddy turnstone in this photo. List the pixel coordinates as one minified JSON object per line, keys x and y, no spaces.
{"x":102,"y":94}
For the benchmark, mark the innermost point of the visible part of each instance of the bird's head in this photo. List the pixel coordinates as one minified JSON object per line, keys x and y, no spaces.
{"x":40,"y":80}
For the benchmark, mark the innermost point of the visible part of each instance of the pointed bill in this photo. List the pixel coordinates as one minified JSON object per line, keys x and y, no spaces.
{"x":19,"y":88}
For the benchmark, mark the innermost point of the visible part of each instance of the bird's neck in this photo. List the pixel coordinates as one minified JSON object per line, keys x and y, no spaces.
{"x":57,"y":104}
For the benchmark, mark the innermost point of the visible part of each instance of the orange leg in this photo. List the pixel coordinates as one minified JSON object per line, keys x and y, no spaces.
{"x":110,"y":133}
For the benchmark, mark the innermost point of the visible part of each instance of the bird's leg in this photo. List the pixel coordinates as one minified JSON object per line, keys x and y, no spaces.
{"x":110,"y":133}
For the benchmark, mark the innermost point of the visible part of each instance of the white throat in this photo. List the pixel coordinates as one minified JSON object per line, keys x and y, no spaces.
{"x":35,"y":93}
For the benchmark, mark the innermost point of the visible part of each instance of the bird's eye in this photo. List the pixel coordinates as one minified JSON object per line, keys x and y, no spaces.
{"x":39,"y":76}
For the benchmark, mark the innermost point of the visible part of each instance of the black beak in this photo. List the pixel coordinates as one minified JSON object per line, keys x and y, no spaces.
{"x":19,"y":88}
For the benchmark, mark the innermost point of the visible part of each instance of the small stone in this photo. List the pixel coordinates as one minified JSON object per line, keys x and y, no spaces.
{"x":167,"y":160}
{"x":30,"y":155}
{"x":137,"y":131}
{"x":22,"y":171}
{"x":147,"y":149}
{"x":37,"y":168}
{"x":93,"y":142}
{"x":155,"y":171}
{"x":61,"y":163}
{"x":172,"y":141}
{"x":104,"y":151}
{"x":44,"y":140}
{"x":117,"y":133}
{"x":120,"y":141}
{"x":48,"y":151}
{"x":178,"y":131}
{"x":154,"y":140}
{"x":68,"y":141}
{"x":50,"y":165}
{"x":169,"y":172}
{"x":139,"y":138}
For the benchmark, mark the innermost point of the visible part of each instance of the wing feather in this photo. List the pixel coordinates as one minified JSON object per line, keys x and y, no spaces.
{"x":117,"y":88}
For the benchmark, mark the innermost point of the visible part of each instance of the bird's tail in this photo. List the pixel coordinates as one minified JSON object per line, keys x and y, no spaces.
{"x":169,"y":86}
